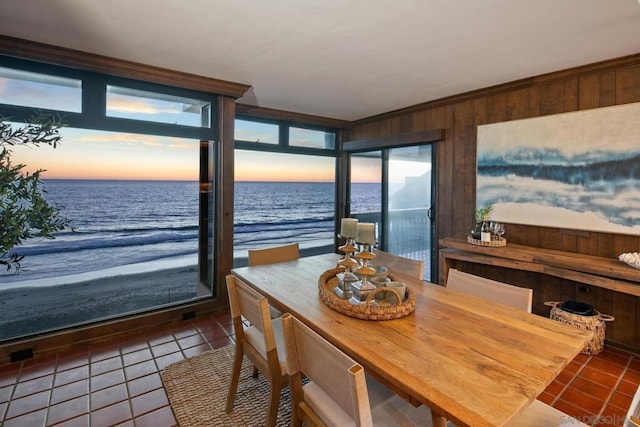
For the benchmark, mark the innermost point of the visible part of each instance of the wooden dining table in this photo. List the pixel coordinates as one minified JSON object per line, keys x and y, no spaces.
{"x":470,"y":361}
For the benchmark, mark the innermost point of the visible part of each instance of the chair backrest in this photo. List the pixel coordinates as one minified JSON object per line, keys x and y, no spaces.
{"x":513,"y":296}
{"x":336,"y":393}
{"x":400,"y":264}
{"x":259,"y":341}
{"x":274,"y":254}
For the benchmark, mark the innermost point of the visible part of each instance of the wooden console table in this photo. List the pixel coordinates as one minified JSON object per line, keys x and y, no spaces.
{"x":591,"y":270}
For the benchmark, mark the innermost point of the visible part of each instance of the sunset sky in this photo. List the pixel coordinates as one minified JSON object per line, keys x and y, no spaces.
{"x":86,"y":154}
{"x":101,"y":155}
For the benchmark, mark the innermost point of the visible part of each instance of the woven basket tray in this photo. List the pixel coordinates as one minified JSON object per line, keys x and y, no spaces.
{"x":366,"y":310}
{"x":495,"y":242}
{"x":596,"y":324}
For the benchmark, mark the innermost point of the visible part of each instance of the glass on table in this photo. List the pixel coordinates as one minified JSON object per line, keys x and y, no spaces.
{"x":497,"y":228}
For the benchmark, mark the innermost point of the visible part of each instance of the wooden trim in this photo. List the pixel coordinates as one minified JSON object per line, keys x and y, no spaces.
{"x":606,"y":267}
{"x":593,"y":68}
{"x":270,"y":113}
{"x":449,"y":100}
{"x":225,"y":194}
{"x":569,"y":73}
{"x":395,"y":141}
{"x":48,"y":344}
{"x":117,"y":67}
{"x":602,"y":272}
{"x":447,"y":254}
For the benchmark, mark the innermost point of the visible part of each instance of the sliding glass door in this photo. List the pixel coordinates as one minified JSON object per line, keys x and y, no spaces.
{"x":392,"y":188}
{"x":365,"y":188}
{"x":407,"y":225}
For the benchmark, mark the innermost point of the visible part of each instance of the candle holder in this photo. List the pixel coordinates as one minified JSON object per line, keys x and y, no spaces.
{"x":366,"y":255}
{"x":348,"y":262}
{"x":346,"y":278}
{"x":363,"y":288}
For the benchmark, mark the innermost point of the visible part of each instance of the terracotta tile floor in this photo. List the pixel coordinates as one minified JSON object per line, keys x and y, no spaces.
{"x":118,"y":383}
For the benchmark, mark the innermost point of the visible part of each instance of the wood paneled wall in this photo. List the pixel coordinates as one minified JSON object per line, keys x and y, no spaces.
{"x":597,"y":85}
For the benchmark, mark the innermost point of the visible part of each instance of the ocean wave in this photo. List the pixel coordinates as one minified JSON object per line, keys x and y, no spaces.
{"x":108,"y":241}
{"x":283,"y":223}
{"x":82,"y":231}
{"x":119,"y":223}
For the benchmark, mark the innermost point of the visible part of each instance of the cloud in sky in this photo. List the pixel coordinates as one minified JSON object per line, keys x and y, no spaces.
{"x":131,"y":105}
{"x":256,"y":131}
{"x":258,"y":166}
{"x":87,"y":154}
{"x":39,"y":95}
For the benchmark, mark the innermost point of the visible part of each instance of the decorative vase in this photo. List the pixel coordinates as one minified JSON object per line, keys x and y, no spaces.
{"x":475,"y":231}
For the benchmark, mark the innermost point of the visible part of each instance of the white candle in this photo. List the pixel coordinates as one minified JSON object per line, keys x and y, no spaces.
{"x":365,"y":233}
{"x":348,"y":227}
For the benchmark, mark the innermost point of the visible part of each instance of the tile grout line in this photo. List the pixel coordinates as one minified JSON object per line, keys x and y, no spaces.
{"x":120,"y":352}
{"x":566,"y":386}
{"x":53,"y":382}
{"x":13,"y":391}
{"x":14,"y":386}
{"x":157,"y":371}
{"x":615,"y":387}
{"x":126,"y":380}
{"x":90,"y":376}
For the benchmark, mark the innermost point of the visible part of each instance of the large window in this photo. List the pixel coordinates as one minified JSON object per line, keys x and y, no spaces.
{"x":285,"y":194}
{"x":259,"y":132}
{"x":134,"y":176}
{"x":302,"y":137}
{"x":29,"y":89}
{"x":156,"y":107}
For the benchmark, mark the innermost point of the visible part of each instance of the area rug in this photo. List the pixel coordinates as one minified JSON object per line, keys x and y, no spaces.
{"x":197,"y":388}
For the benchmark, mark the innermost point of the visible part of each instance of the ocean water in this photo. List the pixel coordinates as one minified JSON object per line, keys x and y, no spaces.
{"x":146,"y":223}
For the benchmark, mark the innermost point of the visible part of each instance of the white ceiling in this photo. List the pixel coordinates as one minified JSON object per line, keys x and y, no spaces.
{"x":344,"y":59}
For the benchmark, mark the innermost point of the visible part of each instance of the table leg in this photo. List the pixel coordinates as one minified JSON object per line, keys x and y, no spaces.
{"x":438,"y":420}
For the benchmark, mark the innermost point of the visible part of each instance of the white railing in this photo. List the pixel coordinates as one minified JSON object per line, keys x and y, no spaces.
{"x":408,"y":234}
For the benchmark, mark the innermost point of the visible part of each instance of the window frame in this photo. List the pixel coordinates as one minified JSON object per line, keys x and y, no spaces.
{"x":96,"y":72}
{"x":283,"y":145}
{"x":93,"y":116}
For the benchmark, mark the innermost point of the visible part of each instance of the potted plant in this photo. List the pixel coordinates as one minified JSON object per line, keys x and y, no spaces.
{"x":479,"y":214}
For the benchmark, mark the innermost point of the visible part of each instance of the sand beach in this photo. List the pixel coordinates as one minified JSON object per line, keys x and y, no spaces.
{"x":29,"y":310}
{"x":49,"y":304}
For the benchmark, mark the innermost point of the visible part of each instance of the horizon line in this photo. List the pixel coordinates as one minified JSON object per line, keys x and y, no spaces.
{"x":196,"y":181}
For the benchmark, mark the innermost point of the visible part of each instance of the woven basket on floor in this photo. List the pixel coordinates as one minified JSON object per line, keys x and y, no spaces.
{"x":595,"y":323}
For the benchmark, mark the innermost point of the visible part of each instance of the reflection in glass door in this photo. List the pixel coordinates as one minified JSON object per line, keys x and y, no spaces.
{"x":407,"y":225}
{"x":392,"y":188}
{"x":365,"y":190}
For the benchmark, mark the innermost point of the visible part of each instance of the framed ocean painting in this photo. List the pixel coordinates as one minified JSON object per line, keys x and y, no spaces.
{"x":577,"y":170}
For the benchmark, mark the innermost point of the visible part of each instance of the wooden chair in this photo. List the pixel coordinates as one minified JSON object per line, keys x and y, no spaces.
{"x":400,"y":264}
{"x":339,"y":393}
{"x":513,"y":296}
{"x":389,"y":409}
{"x":336,"y":393}
{"x":274,"y":254}
{"x":538,"y":413}
{"x":261,"y":342}
{"x":541,"y":414}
